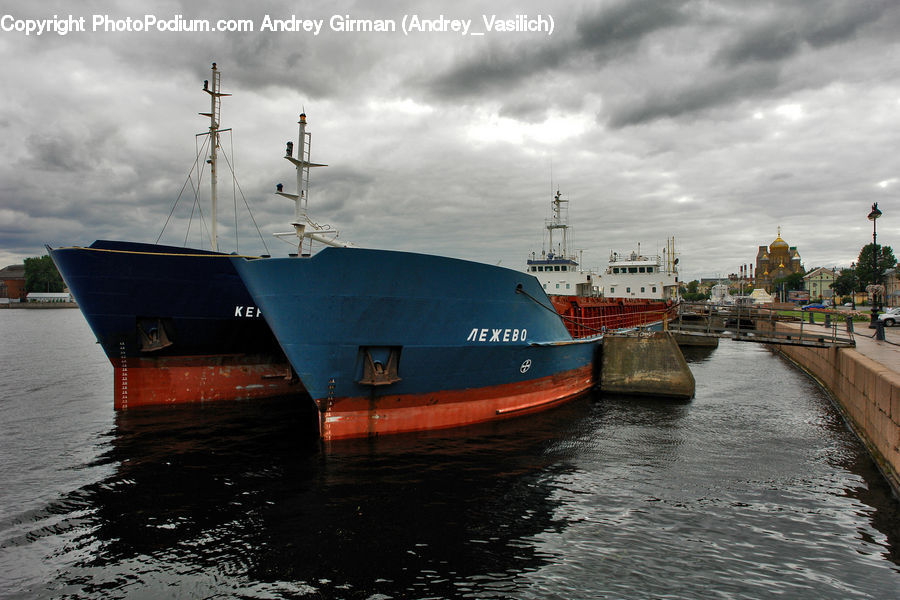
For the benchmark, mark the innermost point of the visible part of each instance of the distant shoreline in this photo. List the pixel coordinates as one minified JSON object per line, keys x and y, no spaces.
{"x":39,"y":305}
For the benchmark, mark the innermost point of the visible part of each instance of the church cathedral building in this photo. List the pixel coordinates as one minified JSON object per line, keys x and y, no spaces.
{"x":775,"y":262}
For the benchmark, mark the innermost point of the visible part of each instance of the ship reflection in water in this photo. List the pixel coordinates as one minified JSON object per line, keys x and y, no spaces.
{"x":753,"y":488}
{"x":238,"y":499}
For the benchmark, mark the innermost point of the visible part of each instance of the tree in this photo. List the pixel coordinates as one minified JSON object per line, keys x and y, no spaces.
{"x":846,"y":283}
{"x":41,"y":275}
{"x":794,"y":281}
{"x":693,"y":293}
{"x":886,"y":260}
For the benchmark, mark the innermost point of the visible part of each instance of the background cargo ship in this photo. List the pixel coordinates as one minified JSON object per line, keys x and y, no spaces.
{"x":177,"y":323}
{"x":592,"y":303}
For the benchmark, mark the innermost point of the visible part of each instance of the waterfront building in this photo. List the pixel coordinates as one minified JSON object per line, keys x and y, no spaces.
{"x":776,"y":261}
{"x":892,"y":287}
{"x":818,"y":283}
{"x":12,"y":283}
{"x":49,"y":297}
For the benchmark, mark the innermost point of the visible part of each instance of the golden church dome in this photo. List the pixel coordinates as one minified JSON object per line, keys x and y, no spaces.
{"x":778,"y":243}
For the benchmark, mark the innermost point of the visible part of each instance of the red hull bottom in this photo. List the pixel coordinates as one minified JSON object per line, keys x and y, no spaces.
{"x":181,"y":380}
{"x":343,"y":418}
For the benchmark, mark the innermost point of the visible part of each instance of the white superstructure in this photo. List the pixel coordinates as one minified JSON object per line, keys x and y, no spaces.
{"x":637,"y":276}
{"x":719,"y":294}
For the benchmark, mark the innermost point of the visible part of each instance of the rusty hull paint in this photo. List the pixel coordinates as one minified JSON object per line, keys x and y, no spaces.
{"x":181,"y":380}
{"x":344,"y":418}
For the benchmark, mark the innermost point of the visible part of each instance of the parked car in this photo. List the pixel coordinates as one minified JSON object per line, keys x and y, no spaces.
{"x":890,"y":317}
{"x":814,"y":305}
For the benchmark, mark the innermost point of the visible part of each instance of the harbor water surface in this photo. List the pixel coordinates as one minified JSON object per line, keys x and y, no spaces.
{"x":754,"y":489}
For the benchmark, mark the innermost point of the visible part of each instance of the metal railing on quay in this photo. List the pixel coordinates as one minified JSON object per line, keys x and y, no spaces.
{"x":754,"y":323}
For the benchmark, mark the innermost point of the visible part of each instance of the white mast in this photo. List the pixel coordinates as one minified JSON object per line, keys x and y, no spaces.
{"x":214,"y":114}
{"x":557,"y":222}
{"x":301,"y":198}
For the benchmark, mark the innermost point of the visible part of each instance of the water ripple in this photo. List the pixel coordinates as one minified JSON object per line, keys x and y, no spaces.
{"x":754,"y":489}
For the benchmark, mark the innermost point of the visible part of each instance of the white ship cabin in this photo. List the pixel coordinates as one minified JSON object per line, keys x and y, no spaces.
{"x":637,"y":276}
{"x":719,"y":294}
{"x":560,"y":276}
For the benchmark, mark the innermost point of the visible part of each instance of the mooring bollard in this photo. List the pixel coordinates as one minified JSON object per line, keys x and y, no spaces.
{"x":827,"y":319}
{"x":879,"y":331}
{"x":849,"y":324}
{"x":811,"y":319}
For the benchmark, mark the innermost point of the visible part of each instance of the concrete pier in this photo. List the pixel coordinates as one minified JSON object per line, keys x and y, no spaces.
{"x":650,"y":365}
{"x":865,"y":383}
{"x":695,"y":340}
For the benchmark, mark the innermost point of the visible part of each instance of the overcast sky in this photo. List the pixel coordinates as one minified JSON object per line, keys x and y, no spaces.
{"x":714,"y":122}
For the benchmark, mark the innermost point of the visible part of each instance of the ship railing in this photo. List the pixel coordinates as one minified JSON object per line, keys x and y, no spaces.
{"x":616,"y":315}
{"x":617,"y":318}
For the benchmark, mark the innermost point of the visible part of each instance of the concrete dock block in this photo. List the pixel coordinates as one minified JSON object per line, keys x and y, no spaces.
{"x":645,"y":365}
{"x":700,"y":341}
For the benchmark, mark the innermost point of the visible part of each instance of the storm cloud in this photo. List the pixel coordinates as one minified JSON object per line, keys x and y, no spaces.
{"x":714,"y":122}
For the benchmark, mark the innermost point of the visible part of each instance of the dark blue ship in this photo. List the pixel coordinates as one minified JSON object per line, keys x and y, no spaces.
{"x":389,"y":342}
{"x":178,"y":324}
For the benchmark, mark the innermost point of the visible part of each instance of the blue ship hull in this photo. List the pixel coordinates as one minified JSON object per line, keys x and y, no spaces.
{"x":177,"y":324}
{"x":388,"y":341}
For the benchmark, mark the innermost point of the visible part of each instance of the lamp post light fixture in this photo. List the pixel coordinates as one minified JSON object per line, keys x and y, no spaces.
{"x":873,"y":216}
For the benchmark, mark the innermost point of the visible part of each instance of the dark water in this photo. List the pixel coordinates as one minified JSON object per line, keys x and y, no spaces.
{"x":755,"y":489}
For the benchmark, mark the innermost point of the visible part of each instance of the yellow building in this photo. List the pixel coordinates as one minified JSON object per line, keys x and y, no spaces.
{"x":776,"y":261}
{"x":818,"y":283}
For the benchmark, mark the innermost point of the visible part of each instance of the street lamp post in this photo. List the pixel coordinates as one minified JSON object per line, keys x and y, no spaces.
{"x":873,"y":216}
{"x":834,"y":302}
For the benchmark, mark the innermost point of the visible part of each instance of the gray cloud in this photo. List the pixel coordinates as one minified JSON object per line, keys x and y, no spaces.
{"x":600,"y":36}
{"x":780,"y":35}
{"x":718,"y":89}
{"x":626,"y":23}
{"x":654,"y":118}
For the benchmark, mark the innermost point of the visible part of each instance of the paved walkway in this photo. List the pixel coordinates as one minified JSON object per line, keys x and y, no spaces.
{"x":886,"y":353}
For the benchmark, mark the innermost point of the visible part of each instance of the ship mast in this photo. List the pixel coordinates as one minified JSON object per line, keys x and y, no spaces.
{"x":301,"y":199}
{"x":557,"y":222}
{"x":214,"y":114}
